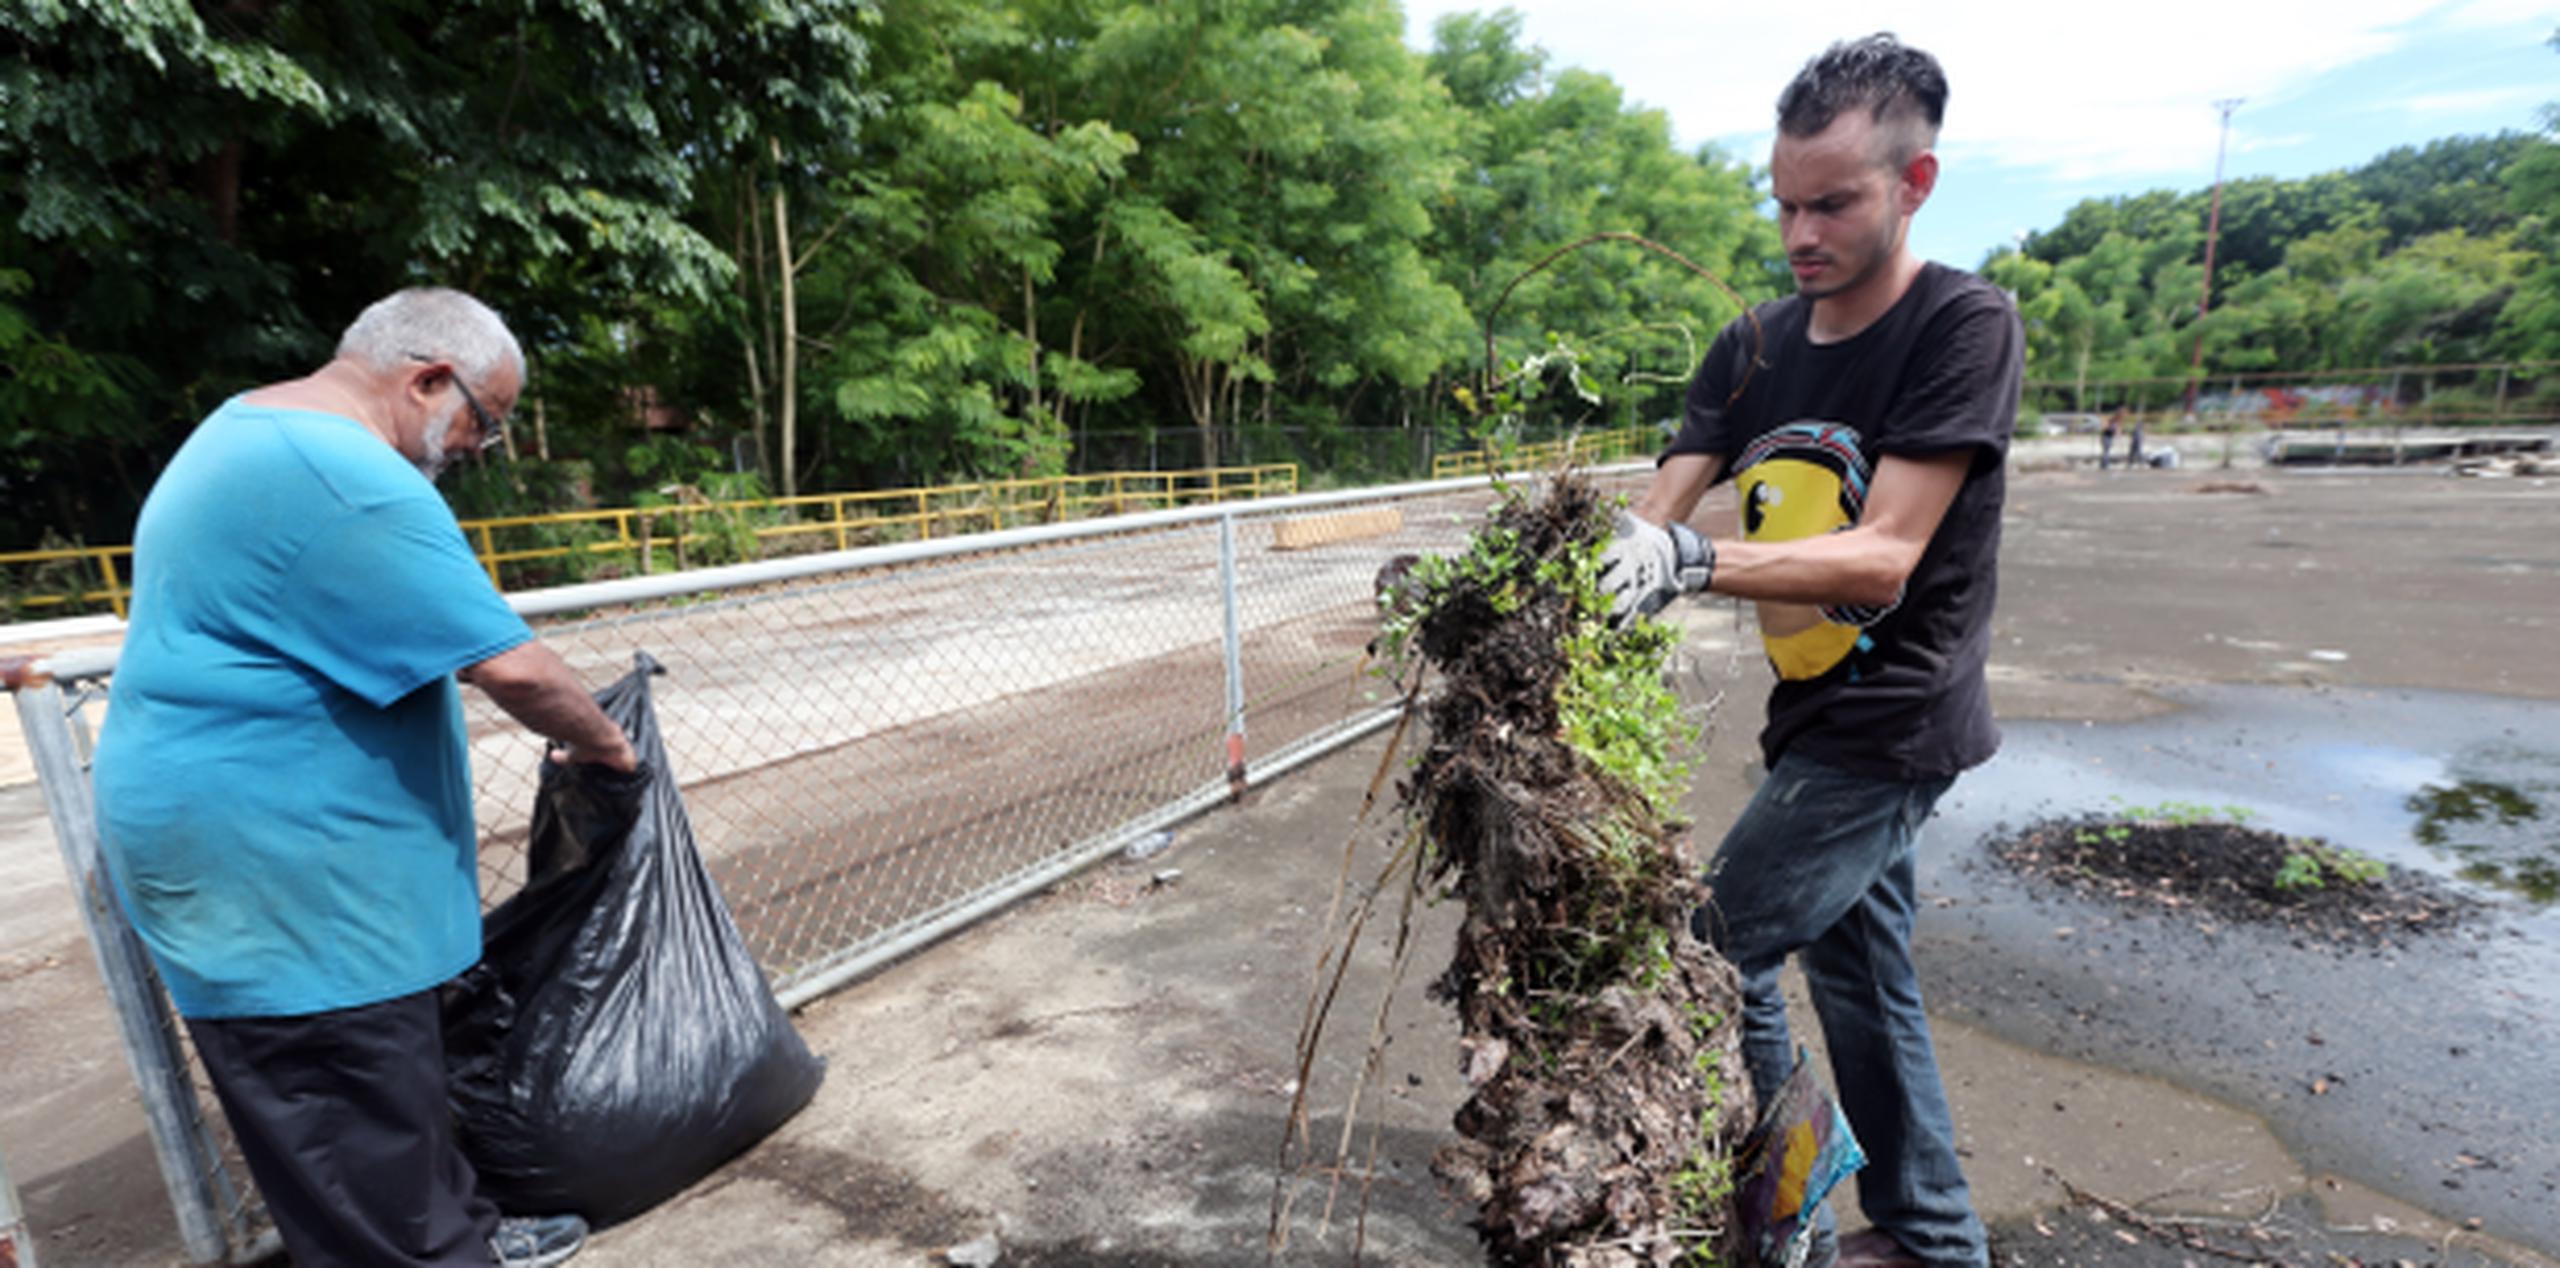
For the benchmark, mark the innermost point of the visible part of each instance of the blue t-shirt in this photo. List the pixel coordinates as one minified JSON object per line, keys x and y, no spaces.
{"x":283,"y":779}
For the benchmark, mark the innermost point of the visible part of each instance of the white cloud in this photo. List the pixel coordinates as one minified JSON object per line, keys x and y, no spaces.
{"x":2519,"y":99}
{"x":2070,"y":93}
{"x":2481,"y":14}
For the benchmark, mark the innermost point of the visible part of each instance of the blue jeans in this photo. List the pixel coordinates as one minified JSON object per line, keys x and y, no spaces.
{"x":1820,"y":865}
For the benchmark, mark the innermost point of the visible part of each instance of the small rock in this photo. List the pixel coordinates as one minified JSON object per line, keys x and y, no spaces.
{"x":979,"y":1252}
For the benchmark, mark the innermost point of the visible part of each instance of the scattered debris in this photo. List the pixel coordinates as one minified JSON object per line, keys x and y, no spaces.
{"x":1149,"y":846}
{"x":981,"y":1251}
{"x":2204,"y":1235}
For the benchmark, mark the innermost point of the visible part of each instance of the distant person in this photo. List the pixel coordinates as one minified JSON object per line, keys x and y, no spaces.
{"x":2107,"y":440}
{"x":2133,"y":448}
{"x":284,"y":784}
{"x":1867,"y":438}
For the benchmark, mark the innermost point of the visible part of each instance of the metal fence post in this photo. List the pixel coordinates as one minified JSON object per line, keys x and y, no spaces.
{"x":17,"y":1241}
{"x":1235,"y":653}
{"x":115,"y":587}
{"x":187,"y":1161}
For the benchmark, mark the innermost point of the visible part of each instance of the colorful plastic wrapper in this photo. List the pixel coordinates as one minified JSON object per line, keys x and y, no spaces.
{"x":1800,"y":1150}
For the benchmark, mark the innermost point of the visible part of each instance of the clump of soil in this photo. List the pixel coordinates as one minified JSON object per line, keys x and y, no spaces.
{"x":1601,"y":1040}
{"x":2217,"y":871}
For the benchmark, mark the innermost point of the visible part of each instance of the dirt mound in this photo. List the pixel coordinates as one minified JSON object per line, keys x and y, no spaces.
{"x":1601,"y":1040}
{"x":2214,"y":872}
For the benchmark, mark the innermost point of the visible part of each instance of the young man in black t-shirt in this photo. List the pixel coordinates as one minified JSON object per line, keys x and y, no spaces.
{"x":1865,"y":421}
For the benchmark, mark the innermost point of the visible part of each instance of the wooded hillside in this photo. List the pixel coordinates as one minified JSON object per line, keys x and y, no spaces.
{"x":833,"y":244}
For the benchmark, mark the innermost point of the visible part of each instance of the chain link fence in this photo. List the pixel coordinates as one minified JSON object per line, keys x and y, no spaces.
{"x":2488,"y":395}
{"x":879,"y":746}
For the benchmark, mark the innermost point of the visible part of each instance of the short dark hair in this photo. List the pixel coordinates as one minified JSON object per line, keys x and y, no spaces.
{"x":1899,"y":85}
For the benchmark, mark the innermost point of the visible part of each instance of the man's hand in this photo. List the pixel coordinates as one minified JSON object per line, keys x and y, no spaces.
{"x":621,"y":757}
{"x":1646,"y":566}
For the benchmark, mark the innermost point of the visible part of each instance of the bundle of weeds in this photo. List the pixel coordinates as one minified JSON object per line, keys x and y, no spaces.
{"x":1600,"y":1038}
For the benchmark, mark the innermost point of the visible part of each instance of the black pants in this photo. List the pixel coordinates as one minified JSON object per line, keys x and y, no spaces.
{"x":342,"y":1117}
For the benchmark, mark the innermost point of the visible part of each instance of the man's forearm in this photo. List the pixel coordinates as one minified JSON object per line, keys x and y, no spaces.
{"x":1863,"y":568}
{"x":1866,"y":565}
{"x":535,"y":687}
{"x":1676,"y":486}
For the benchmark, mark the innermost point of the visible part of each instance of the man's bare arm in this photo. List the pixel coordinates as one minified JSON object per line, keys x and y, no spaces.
{"x":1676,"y":486}
{"x":537,"y":688}
{"x":1865,"y":565}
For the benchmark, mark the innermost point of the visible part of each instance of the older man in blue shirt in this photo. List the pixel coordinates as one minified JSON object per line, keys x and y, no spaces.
{"x":284,"y":785}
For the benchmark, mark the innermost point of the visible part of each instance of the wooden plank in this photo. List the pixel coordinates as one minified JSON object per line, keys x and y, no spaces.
{"x":1303,"y":531}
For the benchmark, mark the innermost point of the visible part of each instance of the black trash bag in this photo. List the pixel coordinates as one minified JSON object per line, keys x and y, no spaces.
{"x":616,"y":1042}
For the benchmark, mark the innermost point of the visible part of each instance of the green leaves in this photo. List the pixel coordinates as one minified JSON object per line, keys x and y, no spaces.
{"x":2429,"y":255}
{"x":201,"y":203}
{"x":917,"y":237}
{"x":1548,"y":160}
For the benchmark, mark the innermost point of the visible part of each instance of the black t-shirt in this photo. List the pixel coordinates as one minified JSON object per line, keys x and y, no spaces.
{"x":1898,"y":692}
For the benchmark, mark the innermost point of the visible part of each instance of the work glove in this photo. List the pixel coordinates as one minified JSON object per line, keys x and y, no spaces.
{"x":1645,"y":567}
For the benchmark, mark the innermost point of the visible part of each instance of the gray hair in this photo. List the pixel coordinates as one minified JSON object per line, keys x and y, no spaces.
{"x":432,"y":321}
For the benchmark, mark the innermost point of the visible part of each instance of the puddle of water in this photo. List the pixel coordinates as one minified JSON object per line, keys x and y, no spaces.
{"x":2463,"y":788}
{"x":2494,"y":830}
{"x":2436,"y":783}
{"x":2443,"y":1042}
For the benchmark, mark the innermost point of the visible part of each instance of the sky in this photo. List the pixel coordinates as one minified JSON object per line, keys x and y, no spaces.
{"x":2049,"y":104}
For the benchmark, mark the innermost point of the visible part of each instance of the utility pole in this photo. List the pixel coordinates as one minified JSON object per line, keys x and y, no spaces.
{"x":2212,"y":234}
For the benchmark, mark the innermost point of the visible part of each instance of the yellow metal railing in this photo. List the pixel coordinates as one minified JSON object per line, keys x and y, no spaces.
{"x":100,"y":582}
{"x":1596,"y":446}
{"x":692,"y":532}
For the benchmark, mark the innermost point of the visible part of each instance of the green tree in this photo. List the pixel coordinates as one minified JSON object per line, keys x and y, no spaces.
{"x":2452,"y":183}
{"x":2529,"y":325}
{"x":200,"y":203}
{"x":2433,"y":302}
{"x":1303,"y":142}
{"x":936,"y":349}
{"x":1552,"y":159}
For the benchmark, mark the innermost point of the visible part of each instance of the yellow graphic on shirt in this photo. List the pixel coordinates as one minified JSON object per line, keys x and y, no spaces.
{"x":1800,"y":481}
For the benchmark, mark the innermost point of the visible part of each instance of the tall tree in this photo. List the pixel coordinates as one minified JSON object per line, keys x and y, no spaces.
{"x":2529,"y":326}
{"x":203,"y":201}
{"x":1553,"y":159}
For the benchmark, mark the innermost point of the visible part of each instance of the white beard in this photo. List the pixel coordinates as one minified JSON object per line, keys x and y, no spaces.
{"x":437,"y":458}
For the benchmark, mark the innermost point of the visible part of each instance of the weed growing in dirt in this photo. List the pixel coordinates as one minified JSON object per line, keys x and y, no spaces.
{"x":2194,"y":863}
{"x":2312,"y":864}
{"x":2182,"y":814}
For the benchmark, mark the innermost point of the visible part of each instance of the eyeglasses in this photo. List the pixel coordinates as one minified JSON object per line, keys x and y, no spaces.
{"x":491,"y":434}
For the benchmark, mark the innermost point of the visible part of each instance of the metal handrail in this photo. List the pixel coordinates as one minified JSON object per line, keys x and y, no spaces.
{"x":1595,"y":446}
{"x":922,"y":512}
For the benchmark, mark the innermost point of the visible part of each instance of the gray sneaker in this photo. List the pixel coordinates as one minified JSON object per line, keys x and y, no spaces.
{"x":536,"y":1241}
